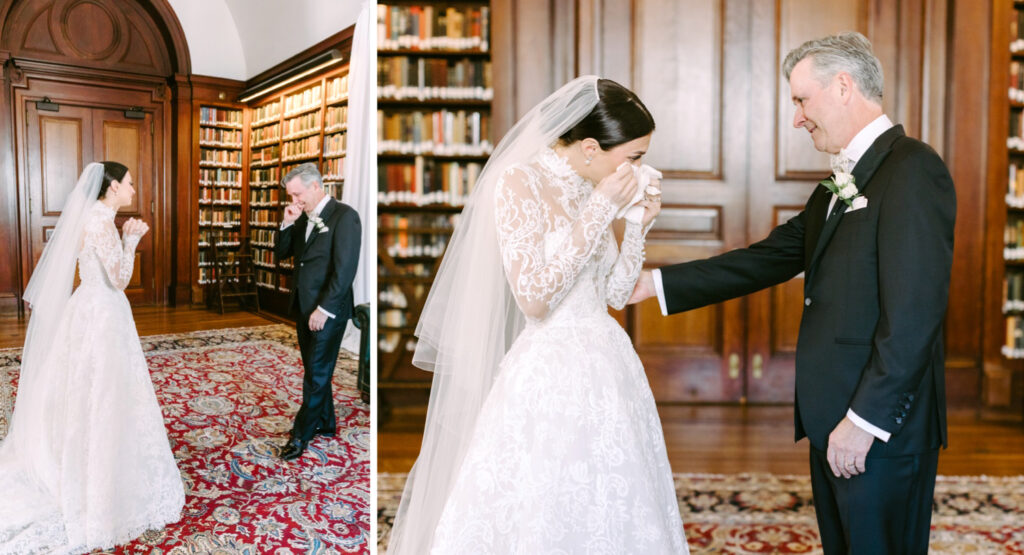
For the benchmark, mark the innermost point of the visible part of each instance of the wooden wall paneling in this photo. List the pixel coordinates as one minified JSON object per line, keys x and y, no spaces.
{"x":968,"y":97}
{"x":10,"y":275}
{"x":935,"y":49}
{"x":183,"y":215}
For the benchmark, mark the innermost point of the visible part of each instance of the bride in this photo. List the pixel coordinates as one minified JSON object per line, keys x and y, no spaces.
{"x":86,"y":463}
{"x":542,"y":435}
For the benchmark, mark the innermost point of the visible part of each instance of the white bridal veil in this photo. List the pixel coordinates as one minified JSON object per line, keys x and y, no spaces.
{"x":470,"y":319}
{"x":48,"y":292}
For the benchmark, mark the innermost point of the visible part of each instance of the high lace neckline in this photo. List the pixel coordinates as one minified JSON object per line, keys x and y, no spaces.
{"x":560,"y":167}
{"x":104,"y":210}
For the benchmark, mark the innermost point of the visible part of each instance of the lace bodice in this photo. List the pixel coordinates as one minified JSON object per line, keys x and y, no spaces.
{"x":557,"y":246}
{"x":105,"y":258}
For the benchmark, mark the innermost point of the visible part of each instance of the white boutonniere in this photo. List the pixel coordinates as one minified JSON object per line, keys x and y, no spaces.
{"x":843,"y":185}
{"x":319,"y":224}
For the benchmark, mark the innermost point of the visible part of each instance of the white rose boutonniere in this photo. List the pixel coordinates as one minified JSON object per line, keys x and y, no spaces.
{"x":843,"y":185}
{"x":319,"y":224}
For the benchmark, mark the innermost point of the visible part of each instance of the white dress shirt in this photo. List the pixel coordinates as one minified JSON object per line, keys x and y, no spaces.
{"x":854,"y":151}
{"x":309,"y":229}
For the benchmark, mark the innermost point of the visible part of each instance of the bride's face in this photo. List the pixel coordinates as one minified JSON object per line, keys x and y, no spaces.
{"x":122,"y":191}
{"x":605,"y":162}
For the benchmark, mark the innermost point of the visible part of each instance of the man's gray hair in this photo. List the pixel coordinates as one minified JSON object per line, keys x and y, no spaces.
{"x":850,"y":52}
{"x":307,"y":172}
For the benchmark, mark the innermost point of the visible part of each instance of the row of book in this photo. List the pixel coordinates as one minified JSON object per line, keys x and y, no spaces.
{"x":435,"y":78}
{"x":408,"y":269}
{"x":270,"y":279}
{"x":1014,"y":347}
{"x":333,"y":169}
{"x":334,"y":145}
{"x":212,"y":156}
{"x":220,"y":177}
{"x":433,"y":27}
{"x":439,"y":132}
{"x":302,"y":124}
{"x":303,"y":100}
{"x":220,"y":137}
{"x":426,"y":181}
{"x":261,"y":135}
{"x":301,"y":148}
{"x":1015,"y":187}
{"x":337,"y":88}
{"x":264,"y":197}
{"x":402,"y":244}
{"x":392,"y":296}
{"x":268,"y":113}
{"x":228,"y":217}
{"x":263,"y":257}
{"x":220,"y":237}
{"x":209,"y":115}
{"x":265,"y":177}
{"x":263,"y":237}
{"x":1013,"y":291}
{"x":390,"y":342}
{"x":334,"y":188}
{"x":1016,"y":135}
{"x":220,"y":195}
{"x":266,"y":155}
{"x":336,"y":118}
{"x":388,"y":222}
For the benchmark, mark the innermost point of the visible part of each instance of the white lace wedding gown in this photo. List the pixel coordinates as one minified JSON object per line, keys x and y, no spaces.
{"x":568,"y":454}
{"x":91,"y":466}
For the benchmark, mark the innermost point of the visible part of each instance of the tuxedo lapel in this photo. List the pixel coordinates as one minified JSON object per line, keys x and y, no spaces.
{"x":325,"y":214}
{"x":862,"y":174}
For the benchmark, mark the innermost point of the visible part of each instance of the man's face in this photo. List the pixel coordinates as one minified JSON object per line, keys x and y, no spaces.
{"x":305,"y":197}
{"x":816,"y":106}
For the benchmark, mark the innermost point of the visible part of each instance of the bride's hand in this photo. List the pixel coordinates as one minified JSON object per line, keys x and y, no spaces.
{"x":619,"y":187}
{"x":136,"y":228}
{"x":651,"y":202}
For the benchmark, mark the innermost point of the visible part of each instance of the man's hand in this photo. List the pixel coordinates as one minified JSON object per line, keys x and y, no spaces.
{"x":317,"y":320}
{"x":644,"y":288}
{"x":291,"y":213}
{"x":848,"y":447}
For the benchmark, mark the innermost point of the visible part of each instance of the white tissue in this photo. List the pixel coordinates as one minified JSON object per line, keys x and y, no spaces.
{"x":643,"y":173}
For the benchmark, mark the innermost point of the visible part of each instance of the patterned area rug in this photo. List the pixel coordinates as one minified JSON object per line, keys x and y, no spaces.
{"x":763,"y":513}
{"x":228,"y":397}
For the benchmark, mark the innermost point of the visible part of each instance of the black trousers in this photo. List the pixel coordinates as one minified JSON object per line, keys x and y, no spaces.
{"x":319,"y":354}
{"x":885,"y":510}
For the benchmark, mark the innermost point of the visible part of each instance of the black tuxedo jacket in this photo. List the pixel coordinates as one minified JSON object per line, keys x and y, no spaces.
{"x":325,"y":264}
{"x":876,"y":284}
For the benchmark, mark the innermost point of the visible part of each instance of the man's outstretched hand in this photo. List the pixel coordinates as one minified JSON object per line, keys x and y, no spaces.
{"x":644,"y":288}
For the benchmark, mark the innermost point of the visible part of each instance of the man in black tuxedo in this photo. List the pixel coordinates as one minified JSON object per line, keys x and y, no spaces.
{"x":870,"y":390}
{"x":323,"y":236}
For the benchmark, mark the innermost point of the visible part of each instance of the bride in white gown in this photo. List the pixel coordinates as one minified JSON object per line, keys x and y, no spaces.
{"x":86,"y":463}
{"x":542,"y":433}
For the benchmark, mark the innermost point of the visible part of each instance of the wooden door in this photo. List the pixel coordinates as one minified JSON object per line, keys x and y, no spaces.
{"x":59,"y":144}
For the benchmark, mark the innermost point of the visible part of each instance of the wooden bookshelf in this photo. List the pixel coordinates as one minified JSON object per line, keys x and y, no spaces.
{"x":304,"y":123}
{"x":219,"y":185}
{"x":1003,"y":377}
{"x":434,"y":94}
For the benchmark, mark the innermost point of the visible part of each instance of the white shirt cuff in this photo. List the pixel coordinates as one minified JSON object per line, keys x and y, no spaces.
{"x":286,"y":225}
{"x":867,"y":426}
{"x":660,"y":289}
{"x":329,"y":315}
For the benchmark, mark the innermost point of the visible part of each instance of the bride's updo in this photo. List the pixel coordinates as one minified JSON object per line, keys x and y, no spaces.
{"x":112,"y":171}
{"x":618,"y":117}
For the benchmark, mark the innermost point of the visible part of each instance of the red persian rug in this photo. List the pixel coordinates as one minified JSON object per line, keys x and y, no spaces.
{"x":228,"y":397}
{"x":764,"y":513}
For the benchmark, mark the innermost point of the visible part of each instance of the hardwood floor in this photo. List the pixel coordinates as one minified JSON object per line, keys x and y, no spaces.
{"x":149,"y":320}
{"x":734,"y":439}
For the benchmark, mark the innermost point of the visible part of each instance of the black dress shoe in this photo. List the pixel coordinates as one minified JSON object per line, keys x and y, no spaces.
{"x":293,"y":449}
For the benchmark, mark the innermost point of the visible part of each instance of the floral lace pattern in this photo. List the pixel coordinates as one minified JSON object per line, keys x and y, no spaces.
{"x":108,"y":474}
{"x":568,"y":454}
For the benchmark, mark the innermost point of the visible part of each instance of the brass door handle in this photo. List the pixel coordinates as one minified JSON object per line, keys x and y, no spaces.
{"x":758,"y":366}
{"x":734,"y":366}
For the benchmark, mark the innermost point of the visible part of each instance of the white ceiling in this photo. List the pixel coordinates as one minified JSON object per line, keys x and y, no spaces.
{"x":238,"y":39}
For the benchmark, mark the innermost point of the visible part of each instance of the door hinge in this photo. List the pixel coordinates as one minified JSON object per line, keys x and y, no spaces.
{"x":152,"y":207}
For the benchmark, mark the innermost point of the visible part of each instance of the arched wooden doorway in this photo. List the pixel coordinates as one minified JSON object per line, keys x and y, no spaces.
{"x":110,"y":67}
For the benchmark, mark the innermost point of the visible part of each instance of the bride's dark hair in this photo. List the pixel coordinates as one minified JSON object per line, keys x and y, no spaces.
{"x":618,"y":117}
{"x":112,"y":171}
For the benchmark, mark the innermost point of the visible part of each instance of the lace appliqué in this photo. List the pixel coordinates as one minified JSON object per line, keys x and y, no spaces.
{"x":101,"y":244}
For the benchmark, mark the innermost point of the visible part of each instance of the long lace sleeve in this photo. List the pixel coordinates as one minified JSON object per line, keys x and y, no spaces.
{"x":624,"y":273}
{"x":116,"y":255}
{"x":538,"y":283}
